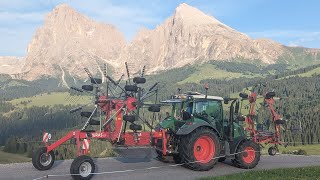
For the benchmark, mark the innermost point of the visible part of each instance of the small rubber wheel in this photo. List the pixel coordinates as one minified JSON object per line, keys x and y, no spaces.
{"x":129,"y":118}
{"x":139,"y":80}
{"x":272,"y":151}
{"x":42,"y":160}
{"x":131,"y":88}
{"x":248,"y":155}
{"x":154,"y":108}
{"x":82,"y":168}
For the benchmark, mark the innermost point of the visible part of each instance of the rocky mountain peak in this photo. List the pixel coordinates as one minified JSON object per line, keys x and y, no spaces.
{"x":193,"y":16}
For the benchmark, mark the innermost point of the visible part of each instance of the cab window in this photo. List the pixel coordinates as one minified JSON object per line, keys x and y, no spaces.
{"x":209,"y":109}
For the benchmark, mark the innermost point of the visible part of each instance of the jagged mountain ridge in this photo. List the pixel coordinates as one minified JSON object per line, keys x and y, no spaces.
{"x":69,"y":41}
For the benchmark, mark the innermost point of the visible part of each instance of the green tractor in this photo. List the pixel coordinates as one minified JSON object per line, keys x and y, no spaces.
{"x":198,"y":135}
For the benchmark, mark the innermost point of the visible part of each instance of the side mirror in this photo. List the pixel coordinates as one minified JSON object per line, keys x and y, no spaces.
{"x":226,"y":100}
{"x":96,"y":81}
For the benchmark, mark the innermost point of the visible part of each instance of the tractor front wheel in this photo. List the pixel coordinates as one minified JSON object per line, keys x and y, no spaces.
{"x":247,"y":156}
{"x":82,"y":168}
{"x":42,"y":160}
{"x":199,"y":149}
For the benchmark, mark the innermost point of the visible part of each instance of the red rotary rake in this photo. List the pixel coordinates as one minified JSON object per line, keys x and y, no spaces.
{"x":258,"y":134}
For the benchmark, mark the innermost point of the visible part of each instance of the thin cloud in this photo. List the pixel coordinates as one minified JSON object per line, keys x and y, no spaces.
{"x":291,"y":38}
{"x":17,"y":17}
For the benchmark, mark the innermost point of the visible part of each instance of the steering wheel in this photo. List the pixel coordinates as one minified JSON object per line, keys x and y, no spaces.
{"x":204,"y":114}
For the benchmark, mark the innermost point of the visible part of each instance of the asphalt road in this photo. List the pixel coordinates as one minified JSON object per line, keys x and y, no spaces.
{"x":162,"y":171}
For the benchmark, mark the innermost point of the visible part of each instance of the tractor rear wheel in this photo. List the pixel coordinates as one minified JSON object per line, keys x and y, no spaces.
{"x":199,"y":149}
{"x":248,"y":155}
{"x":42,"y":160}
{"x":82,"y":168}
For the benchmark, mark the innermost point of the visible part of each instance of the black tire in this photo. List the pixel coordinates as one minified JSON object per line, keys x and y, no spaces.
{"x":222,"y":159}
{"x":87,"y":87}
{"x":129,"y":118}
{"x":82,"y":168}
{"x":42,"y":160}
{"x":177,"y":159}
{"x":272,"y":151}
{"x":139,"y":80}
{"x":189,"y":145}
{"x":248,"y":155}
{"x":96,"y":81}
{"x":154,"y":108}
{"x":135,"y":127}
{"x":131,"y":88}
{"x":85,"y":114}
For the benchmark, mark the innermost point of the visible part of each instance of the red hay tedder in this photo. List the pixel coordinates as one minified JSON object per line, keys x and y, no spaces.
{"x":257,"y":133}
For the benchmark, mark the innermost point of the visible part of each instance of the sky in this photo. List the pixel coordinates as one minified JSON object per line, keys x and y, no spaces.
{"x":290,"y":22}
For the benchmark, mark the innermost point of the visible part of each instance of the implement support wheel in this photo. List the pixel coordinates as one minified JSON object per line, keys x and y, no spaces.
{"x":82,"y":168}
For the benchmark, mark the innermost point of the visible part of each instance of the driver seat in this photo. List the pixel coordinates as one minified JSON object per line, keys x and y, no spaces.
{"x":185,"y":115}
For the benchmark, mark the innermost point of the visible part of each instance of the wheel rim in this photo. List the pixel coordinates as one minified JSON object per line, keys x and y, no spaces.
{"x":45,"y":159}
{"x":204,"y":149}
{"x":249,"y":155}
{"x":85,"y":169}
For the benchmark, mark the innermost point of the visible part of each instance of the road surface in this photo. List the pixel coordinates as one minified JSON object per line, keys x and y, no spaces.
{"x":162,"y":171}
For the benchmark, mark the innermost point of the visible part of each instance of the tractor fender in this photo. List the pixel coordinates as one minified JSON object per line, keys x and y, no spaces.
{"x":188,"y":128}
{"x":235,"y":144}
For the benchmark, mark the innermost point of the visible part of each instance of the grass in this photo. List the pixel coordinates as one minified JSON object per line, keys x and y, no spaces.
{"x":311,"y":149}
{"x":51,"y":99}
{"x":275,"y":174}
{"x":12,"y":158}
{"x":209,"y":71}
{"x":315,"y":71}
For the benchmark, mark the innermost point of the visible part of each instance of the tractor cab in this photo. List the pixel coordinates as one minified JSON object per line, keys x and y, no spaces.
{"x":191,"y":108}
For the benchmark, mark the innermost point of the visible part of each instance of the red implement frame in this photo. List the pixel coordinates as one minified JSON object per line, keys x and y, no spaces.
{"x":262,"y":136}
{"x":121,"y":107}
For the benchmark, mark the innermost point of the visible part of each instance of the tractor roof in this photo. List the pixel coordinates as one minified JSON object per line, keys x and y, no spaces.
{"x":191,"y":95}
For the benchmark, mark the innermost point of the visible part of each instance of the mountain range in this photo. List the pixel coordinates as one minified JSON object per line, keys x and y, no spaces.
{"x":69,"y":41}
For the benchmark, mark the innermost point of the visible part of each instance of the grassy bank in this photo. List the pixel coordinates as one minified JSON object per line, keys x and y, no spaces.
{"x":276,"y":174}
{"x":12,"y":158}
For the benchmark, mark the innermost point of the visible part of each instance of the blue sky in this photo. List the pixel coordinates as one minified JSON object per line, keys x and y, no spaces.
{"x":290,"y":22}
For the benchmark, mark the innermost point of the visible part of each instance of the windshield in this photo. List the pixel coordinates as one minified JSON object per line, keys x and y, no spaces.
{"x":208,"y":109}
